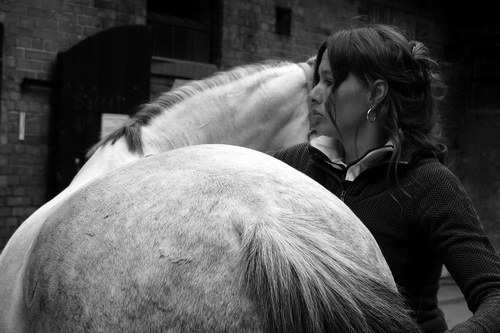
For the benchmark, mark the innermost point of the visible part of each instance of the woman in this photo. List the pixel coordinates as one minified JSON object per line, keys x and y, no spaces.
{"x":380,"y":149}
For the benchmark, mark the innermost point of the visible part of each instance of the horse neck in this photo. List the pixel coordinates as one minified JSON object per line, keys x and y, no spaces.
{"x":265,"y":111}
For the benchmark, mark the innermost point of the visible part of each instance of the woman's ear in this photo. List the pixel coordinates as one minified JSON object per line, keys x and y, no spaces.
{"x":379,"y":91}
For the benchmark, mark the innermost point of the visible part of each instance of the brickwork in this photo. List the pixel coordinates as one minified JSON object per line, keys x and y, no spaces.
{"x":36,"y":30}
{"x":249,"y":27}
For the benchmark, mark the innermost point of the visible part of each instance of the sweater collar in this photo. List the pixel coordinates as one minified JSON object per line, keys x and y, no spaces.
{"x":330,"y":151}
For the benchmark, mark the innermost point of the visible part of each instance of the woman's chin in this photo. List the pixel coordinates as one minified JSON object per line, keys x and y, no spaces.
{"x":321,"y":129}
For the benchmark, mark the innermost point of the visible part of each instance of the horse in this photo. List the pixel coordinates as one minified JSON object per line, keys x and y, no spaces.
{"x":207,"y":238}
{"x":263,"y":106}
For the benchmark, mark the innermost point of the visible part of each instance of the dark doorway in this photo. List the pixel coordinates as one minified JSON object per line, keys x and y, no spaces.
{"x":107,"y":73}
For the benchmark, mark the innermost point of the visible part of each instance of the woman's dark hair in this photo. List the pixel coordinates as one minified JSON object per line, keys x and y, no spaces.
{"x":408,"y":113}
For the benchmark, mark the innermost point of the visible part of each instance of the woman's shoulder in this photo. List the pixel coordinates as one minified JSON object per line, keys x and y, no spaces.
{"x":296,"y":156}
{"x":433,"y":176}
{"x":426,"y":163}
{"x":291,"y":152}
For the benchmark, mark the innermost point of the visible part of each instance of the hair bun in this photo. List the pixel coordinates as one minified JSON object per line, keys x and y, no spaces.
{"x":422,"y":62}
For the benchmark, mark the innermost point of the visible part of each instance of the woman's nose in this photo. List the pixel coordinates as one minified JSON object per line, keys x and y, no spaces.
{"x":315,"y":95}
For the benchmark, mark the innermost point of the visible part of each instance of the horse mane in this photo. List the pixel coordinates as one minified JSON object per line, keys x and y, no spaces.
{"x":301,"y":285}
{"x":131,"y":130}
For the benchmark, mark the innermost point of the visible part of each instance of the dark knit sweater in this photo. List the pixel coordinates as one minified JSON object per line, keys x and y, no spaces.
{"x":424,"y":221}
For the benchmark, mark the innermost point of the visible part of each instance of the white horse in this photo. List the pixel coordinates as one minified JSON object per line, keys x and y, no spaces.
{"x":261,"y":106}
{"x":207,"y":238}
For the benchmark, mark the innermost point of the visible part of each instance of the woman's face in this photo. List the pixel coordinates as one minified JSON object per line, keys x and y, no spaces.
{"x":351,"y":99}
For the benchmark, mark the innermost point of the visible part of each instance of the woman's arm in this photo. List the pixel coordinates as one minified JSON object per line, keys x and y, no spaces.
{"x":464,"y":248}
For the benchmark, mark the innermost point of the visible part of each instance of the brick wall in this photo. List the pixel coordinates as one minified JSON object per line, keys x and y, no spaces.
{"x":34,"y":32}
{"x":249,"y":28}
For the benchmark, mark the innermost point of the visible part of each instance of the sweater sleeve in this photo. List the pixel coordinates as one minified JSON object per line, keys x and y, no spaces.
{"x":456,"y":234}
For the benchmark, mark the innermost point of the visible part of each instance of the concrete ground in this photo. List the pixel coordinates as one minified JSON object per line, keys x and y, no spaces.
{"x":452,"y":302}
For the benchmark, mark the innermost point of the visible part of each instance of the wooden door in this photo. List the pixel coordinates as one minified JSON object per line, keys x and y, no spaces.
{"x":105,"y":73}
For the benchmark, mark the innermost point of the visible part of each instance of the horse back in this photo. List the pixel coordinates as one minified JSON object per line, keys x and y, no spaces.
{"x":206,"y":238}
{"x":120,"y":257}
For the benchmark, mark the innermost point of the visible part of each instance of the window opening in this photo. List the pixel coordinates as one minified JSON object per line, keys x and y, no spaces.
{"x":283,"y":21}
{"x":181,"y":29}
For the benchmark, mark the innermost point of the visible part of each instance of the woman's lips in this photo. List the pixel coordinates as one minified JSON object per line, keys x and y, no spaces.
{"x":315,"y":113}
{"x":315,"y":117}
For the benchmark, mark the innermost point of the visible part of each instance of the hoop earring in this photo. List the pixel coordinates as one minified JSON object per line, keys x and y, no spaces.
{"x":368,"y":114}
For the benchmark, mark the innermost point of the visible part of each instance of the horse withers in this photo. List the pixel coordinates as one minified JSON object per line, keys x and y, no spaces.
{"x":207,"y":238}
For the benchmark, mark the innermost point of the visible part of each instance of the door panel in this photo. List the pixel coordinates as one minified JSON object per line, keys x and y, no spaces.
{"x":105,"y":73}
